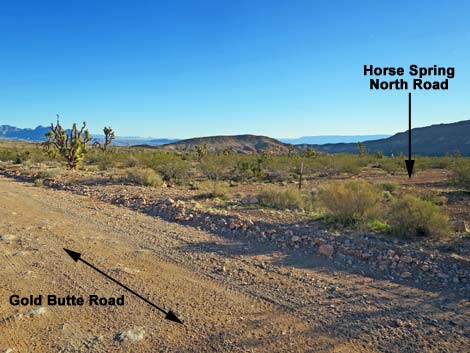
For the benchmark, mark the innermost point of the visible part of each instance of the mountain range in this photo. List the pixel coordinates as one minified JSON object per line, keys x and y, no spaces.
{"x":434,"y":140}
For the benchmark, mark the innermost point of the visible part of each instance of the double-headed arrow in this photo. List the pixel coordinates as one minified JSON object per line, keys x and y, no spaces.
{"x":168,"y":315}
{"x":410,"y":162}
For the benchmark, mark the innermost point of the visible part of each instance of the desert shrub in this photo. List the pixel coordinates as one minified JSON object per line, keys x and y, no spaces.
{"x":352,"y":202}
{"x":379,"y":226}
{"x":38,"y":182}
{"x":144,"y":176}
{"x":215,"y":167}
{"x":389,"y":186}
{"x":131,"y":162}
{"x":434,"y":198}
{"x":8,"y":154}
{"x":461,"y":172}
{"x":219,"y":190}
{"x":393,"y":165}
{"x":176,"y":171}
{"x":45,"y":173}
{"x":412,"y":216}
{"x":285,"y":197}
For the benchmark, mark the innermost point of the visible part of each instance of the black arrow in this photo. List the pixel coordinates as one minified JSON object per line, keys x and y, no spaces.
{"x":410,"y":162}
{"x":168,"y":315}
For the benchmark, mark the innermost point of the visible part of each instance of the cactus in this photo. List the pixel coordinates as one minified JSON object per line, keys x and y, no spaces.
{"x":201,"y":152}
{"x":109,"y":136}
{"x":72,"y":145}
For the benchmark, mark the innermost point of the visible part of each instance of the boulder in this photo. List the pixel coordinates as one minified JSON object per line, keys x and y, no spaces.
{"x":326,"y":249}
{"x":461,"y":226}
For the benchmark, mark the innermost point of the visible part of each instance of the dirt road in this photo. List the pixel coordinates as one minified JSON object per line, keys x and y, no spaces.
{"x":232,"y":296}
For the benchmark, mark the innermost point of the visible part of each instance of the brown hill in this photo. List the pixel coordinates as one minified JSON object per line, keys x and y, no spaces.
{"x":236,"y":143}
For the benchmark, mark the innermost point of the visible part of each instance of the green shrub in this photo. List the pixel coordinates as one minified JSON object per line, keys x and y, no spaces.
{"x":131,"y":162}
{"x":176,"y":171}
{"x":219,"y":190}
{"x":412,"y":216}
{"x":352,"y":202}
{"x":389,"y":186}
{"x":46,"y":173}
{"x":461,"y":172}
{"x":145,"y":176}
{"x":393,"y":165}
{"x":285,"y":197}
{"x":38,"y":182}
{"x":379,"y":226}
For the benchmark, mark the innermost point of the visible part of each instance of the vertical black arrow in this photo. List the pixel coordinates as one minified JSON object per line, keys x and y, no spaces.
{"x":410,"y":162}
{"x":168,"y":315}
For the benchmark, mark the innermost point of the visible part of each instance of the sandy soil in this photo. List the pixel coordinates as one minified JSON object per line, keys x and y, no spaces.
{"x":233,"y":296}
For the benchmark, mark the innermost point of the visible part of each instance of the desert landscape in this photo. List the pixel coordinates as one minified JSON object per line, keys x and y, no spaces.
{"x":254,"y":247}
{"x":234,"y":176}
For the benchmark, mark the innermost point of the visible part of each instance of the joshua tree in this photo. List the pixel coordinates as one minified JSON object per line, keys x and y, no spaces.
{"x":108,"y":138}
{"x":362,"y":149}
{"x":310,"y":152}
{"x":71,"y":146}
{"x":201,"y":152}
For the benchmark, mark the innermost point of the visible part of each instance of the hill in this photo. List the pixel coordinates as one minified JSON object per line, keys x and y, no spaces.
{"x":434,"y":140}
{"x":237,"y":143}
{"x":323,"y":139}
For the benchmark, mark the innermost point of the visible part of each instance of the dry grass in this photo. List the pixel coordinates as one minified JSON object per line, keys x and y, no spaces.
{"x":144,"y":176}
{"x":285,"y":198}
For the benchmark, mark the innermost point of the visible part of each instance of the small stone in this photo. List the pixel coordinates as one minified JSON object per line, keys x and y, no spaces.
{"x":133,"y":335}
{"x":461,"y":226}
{"x":5,"y":237}
{"x":250,"y":200}
{"x":442,"y":275}
{"x":36,"y":312}
{"x":406,"y":275}
{"x":425,"y":268}
{"x":295,"y":239}
{"x":406,"y":259}
{"x":326,"y":250}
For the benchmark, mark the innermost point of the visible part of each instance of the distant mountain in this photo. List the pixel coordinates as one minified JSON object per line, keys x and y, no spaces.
{"x":15,"y":133}
{"x":434,"y":140}
{"x":38,"y":134}
{"x":237,"y":143}
{"x":320,"y":140}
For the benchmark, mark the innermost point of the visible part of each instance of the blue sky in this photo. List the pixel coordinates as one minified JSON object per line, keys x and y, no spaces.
{"x":283,"y":68}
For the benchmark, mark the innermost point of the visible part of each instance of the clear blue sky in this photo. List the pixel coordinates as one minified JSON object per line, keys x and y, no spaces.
{"x":282,"y":68}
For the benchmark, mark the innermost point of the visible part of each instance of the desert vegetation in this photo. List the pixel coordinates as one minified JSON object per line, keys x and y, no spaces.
{"x":353,"y":191}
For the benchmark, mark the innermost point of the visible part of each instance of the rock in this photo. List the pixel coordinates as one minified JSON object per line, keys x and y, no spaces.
{"x":250,"y":200}
{"x":169,"y":201}
{"x":326,"y":250}
{"x":319,"y":241}
{"x":8,"y":350}
{"x":442,"y":275}
{"x":406,"y":275}
{"x":35,"y":312}
{"x":5,"y":237}
{"x":289,"y":233}
{"x":425,"y":268}
{"x":295,"y":239}
{"x":461,"y":226}
{"x":133,"y":335}
{"x":406,"y":259}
